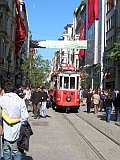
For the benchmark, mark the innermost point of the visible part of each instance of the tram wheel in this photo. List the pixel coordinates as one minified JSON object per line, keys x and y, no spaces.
{"x":67,"y":110}
{"x":76,"y":110}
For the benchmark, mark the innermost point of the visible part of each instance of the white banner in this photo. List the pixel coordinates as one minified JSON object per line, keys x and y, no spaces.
{"x":79,"y":44}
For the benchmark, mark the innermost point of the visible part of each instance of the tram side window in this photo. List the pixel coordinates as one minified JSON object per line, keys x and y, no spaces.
{"x":72,"y":82}
{"x":60,"y":81}
{"x":66,"y":82}
{"x":77,"y":83}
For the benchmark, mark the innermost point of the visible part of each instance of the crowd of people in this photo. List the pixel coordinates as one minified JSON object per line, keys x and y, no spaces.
{"x":14,"y":112}
{"x":14,"y":108}
{"x":36,"y":98}
{"x":102,"y":100}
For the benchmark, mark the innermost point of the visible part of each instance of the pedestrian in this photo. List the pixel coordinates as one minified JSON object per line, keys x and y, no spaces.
{"x":117,"y":106}
{"x":96,"y":101}
{"x":36,"y":99}
{"x":44,"y":102}
{"x":102,"y":100}
{"x":84,"y":93}
{"x":14,"y":107}
{"x":89,"y":100}
{"x":19,"y":92}
{"x":108,"y":106}
{"x":27,"y":93}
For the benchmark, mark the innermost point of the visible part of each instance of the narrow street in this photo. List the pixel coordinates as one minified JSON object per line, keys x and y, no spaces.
{"x":63,"y":136}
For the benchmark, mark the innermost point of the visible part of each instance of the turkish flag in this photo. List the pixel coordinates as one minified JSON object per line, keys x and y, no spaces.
{"x":93,"y":11}
{"x":82,"y":37}
{"x":96,"y":9}
{"x":90,"y":13}
{"x":20,"y":29}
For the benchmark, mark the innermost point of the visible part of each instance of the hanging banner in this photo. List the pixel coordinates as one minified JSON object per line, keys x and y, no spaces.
{"x":79,"y":44}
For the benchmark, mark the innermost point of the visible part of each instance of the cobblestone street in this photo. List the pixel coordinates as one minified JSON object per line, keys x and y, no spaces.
{"x":54,"y":139}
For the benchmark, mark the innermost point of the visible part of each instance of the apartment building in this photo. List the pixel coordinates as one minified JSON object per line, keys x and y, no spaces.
{"x":112,"y":35}
{"x":7,"y":33}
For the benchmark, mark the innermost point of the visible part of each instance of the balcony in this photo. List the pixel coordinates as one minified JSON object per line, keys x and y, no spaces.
{"x":3,"y":30}
{"x":5,"y":4}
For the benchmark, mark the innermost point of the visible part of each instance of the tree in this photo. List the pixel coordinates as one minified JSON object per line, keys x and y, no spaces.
{"x":115,"y":54}
{"x":36,"y":69}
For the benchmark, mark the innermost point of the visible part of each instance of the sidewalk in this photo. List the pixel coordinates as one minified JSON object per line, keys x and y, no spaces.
{"x":112,"y":129}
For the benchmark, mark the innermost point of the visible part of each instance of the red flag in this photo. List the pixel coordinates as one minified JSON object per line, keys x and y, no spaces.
{"x":96,"y":9}
{"x":111,"y":3}
{"x":20,"y":29}
{"x":93,"y":11}
{"x":82,"y":37}
{"x":90,"y":13}
{"x":33,"y":50}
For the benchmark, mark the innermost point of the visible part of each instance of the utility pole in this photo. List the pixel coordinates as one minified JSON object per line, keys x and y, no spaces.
{"x":102,"y":43}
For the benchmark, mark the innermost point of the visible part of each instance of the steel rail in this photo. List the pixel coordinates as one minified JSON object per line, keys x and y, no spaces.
{"x":105,"y":134}
{"x":85,"y":139}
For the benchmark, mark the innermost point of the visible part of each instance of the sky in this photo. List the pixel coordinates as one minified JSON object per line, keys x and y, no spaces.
{"x":47,"y":19}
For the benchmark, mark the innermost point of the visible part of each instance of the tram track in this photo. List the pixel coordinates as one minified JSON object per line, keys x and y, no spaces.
{"x":97,"y":152}
{"x":105,"y":134}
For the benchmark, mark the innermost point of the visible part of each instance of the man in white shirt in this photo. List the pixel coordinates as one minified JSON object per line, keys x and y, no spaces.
{"x":27,"y":96}
{"x":15,"y":107}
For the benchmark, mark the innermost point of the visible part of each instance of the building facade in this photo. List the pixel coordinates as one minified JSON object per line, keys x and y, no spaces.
{"x":112,"y":33}
{"x":10,"y":63}
{"x":7,"y":34}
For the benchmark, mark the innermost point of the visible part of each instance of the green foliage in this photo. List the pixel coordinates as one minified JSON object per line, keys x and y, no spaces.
{"x":83,"y":2}
{"x":115,"y":54}
{"x":36,"y":69}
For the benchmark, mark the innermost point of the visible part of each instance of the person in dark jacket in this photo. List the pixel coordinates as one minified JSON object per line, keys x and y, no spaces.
{"x":89,"y":101}
{"x":108,"y":106}
{"x":36,"y":99}
{"x":117,"y":106}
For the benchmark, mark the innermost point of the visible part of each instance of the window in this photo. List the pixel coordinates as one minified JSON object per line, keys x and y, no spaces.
{"x":66,"y":82}
{"x":77,"y":83}
{"x":60,"y":81}
{"x":12,"y":33}
{"x":1,"y":19}
{"x":72,"y":82}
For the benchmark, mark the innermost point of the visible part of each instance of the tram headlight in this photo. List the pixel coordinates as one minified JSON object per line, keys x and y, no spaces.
{"x":68,"y":98}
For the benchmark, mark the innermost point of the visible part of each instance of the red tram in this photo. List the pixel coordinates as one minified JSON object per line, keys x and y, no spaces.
{"x":65,"y":89}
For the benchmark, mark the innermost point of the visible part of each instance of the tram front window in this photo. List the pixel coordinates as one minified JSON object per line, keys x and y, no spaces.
{"x":66,"y":82}
{"x":72,"y":82}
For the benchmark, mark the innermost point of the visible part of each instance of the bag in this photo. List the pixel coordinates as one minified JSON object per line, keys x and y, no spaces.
{"x":1,"y":130}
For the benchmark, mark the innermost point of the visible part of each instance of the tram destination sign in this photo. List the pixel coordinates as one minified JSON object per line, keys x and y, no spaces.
{"x":78,"y":44}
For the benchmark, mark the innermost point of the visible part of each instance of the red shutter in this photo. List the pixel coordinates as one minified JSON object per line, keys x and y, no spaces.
{"x":20,"y":29}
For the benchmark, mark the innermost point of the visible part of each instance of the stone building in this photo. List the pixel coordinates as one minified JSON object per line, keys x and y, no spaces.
{"x":10,"y":63}
{"x":7,"y":34}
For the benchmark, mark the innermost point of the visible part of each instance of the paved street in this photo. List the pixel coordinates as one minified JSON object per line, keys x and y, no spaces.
{"x":55,"y":139}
